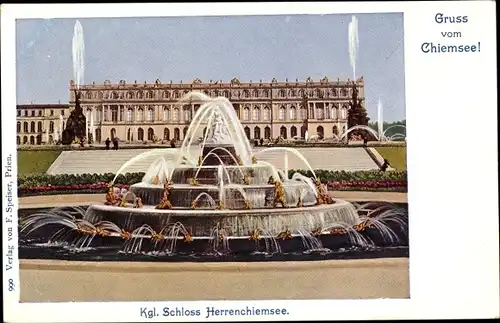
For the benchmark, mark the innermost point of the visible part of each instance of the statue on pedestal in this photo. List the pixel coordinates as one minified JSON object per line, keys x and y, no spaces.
{"x":76,"y":125}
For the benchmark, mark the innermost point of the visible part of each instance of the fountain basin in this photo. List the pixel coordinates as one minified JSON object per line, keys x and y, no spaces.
{"x":234,"y":196}
{"x":202,"y":222}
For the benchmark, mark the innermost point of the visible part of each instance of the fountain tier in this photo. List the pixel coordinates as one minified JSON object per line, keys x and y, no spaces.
{"x":201,"y":223}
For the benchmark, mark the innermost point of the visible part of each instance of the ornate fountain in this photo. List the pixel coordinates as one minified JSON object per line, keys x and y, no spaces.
{"x":217,"y":195}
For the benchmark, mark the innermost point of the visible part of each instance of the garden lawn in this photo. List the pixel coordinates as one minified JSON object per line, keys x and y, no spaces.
{"x":35,"y":162}
{"x":395,"y":155}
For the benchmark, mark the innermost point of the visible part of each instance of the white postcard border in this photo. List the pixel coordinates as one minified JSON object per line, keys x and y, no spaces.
{"x":454,"y":221}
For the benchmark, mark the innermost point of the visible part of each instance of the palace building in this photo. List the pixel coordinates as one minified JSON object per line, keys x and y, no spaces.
{"x":40,"y":123}
{"x":140,"y":112}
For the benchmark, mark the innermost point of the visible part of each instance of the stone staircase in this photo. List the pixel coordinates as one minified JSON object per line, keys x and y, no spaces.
{"x":102,"y":161}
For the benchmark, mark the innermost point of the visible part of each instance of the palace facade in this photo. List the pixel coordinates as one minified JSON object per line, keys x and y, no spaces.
{"x":140,"y":112}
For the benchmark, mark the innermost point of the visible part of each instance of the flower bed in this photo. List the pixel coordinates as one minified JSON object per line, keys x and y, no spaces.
{"x":394,"y":181}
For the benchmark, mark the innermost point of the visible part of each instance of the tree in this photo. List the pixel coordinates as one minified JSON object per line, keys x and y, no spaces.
{"x":357,"y":114}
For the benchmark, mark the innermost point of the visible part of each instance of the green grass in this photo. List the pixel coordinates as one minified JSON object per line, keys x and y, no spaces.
{"x":395,"y":155}
{"x":35,"y":162}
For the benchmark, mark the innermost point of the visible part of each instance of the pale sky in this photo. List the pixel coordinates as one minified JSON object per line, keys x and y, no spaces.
{"x":251,"y":48}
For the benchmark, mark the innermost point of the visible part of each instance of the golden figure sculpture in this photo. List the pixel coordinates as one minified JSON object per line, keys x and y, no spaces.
{"x":156,"y":180}
{"x":255,"y":235}
{"x":248,"y":205}
{"x":279,"y":194}
{"x":285,"y":235}
{"x":254,"y":160}
{"x":246,"y":179}
{"x":164,"y":203}
{"x":220,"y":206}
{"x":138,"y":203}
{"x":322,"y":195}
{"x":111,"y":197}
{"x":193,"y":205}
{"x":194,"y":182}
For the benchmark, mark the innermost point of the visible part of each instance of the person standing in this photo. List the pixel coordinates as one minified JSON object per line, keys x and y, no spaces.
{"x":107,"y":142}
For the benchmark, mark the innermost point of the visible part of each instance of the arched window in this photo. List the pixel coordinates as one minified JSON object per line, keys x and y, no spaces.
{"x":334,"y":92}
{"x":334,"y":112}
{"x":256,"y":133}
{"x":319,"y":93}
{"x":175,"y":115}
{"x":320,"y":132}
{"x":247,"y":132}
{"x":177,"y":134}
{"x":140,"y":134}
{"x":187,"y":114}
{"x":293,"y":113}
{"x":176,"y":94}
{"x":151,"y":134}
{"x":320,"y":112}
{"x":140,"y":95}
{"x":39,"y":128}
{"x":184,"y":132}
{"x":114,"y":95}
{"x":246,"y":93}
{"x":246,"y":114}
{"x":344,"y":112}
{"x":32,"y":140}
{"x":129,"y":134}
{"x":281,"y":93}
{"x":140,"y":115}
{"x":166,"y":114}
{"x":18,"y":140}
{"x":112,"y":133}
{"x":282,"y":113}
{"x":267,"y":132}
{"x":149,"y":94}
{"x":283,"y":132}
{"x":303,"y":113}
{"x":25,"y":140}
{"x":166,"y":134}
{"x":266,"y":93}
{"x":18,"y":127}
{"x":114,"y":114}
{"x":343,"y":92}
{"x":335,"y":130}
{"x":98,"y":115}
{"x":255,"y":93}
{"x":130,"y":114}
{"x":51,"y":127}
{"x":130,"y":95}
{"x":151,"y":113}
{"x":88,"y":95}
{"x":256,"y":113}
{"x":166,"y":94}
{"x":32,"y":126}
{"x":293,"y":132}
{"x":267,"y":113}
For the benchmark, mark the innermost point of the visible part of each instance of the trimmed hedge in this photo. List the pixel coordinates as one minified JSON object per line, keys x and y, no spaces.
{"x":393,"y":181}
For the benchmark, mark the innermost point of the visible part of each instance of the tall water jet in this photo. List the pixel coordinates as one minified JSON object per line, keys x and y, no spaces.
{"x":61,"y":125}
{"x":353,"y":44}
{"x":380,"y":121}
{"x":78,"y":54}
